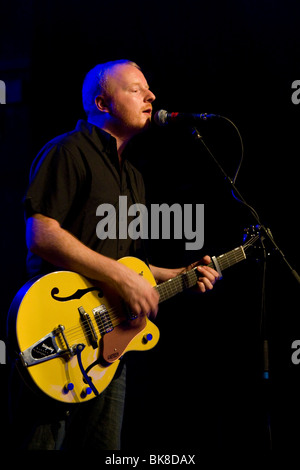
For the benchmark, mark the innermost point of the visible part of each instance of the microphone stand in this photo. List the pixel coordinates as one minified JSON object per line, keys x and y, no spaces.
{"x":237,"y":195}
{"x":266,"y":230}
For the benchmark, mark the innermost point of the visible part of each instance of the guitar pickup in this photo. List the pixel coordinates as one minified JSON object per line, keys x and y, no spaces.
{"x":103,"y":319}
{"x":88,"y":327}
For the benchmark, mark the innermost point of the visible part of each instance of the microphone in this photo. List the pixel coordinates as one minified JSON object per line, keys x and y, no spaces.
{"x":163,"y":118}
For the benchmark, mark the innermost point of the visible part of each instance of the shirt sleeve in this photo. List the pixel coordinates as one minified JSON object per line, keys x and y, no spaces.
{"x":56,"y":180}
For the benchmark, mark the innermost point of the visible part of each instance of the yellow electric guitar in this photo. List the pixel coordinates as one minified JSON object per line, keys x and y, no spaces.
{"x":70,"y":334}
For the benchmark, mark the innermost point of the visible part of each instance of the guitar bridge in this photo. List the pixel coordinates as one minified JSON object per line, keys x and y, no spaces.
{"x":47,"y":348}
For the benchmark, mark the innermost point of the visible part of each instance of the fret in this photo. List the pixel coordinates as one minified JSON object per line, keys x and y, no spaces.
{"x":189,"y":279}
{"x":231,"y":258}
{"x":176,"y":285}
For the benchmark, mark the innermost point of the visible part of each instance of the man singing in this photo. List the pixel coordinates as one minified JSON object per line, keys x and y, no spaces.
{"x":70,"y":177}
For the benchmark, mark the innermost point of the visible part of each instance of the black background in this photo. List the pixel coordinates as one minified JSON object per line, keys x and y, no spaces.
{"x":202,"y":386}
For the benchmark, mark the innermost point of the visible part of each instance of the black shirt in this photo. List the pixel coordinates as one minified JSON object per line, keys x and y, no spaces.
{"x":71,"y":176}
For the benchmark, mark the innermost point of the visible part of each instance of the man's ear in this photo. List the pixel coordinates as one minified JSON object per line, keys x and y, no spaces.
{"x":101,"y":104}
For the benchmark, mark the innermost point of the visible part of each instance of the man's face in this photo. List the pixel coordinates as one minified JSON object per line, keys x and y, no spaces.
{"x":129,"y":100}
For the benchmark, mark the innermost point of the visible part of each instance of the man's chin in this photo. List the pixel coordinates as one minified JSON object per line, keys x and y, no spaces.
{"x":142,"y":128}
{"x":147,"y":124}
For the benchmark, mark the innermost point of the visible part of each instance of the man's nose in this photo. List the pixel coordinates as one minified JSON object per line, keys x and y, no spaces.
{"x":150,"y":97}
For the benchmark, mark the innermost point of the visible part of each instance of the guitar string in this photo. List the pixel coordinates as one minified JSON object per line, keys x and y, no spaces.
{"x":105,"y":323}
{"x":166,"y":289}
{"x":115,"y":320}
{"x":227,"y":260}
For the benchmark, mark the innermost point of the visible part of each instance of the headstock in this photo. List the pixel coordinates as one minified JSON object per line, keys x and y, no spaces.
{"x":254,"y":238}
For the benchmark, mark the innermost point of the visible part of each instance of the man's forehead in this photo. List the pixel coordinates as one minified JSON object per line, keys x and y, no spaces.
{"x":126,"y":74}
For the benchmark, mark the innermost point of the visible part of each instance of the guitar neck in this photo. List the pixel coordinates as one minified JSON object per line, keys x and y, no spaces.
{"x":189,"y":279}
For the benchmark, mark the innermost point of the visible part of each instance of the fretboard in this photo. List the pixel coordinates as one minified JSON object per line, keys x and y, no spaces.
{"x":229,"y":259}
{"x":189,"y":279}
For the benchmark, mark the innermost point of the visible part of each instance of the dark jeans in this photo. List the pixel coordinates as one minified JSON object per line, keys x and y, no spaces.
{"x":96,"y":424}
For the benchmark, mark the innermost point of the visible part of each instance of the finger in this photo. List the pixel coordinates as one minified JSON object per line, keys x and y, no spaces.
{"x":155,"y":301}
{"x":153,"y":311}
{"x":208,"y":285}
{"x":206,"y":259}
{"x":149,"y":305}
{"x":209,"y":273}
{"x":201,"y":286}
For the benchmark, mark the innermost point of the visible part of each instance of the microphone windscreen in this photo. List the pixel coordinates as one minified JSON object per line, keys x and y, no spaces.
{"x":161,"y":117}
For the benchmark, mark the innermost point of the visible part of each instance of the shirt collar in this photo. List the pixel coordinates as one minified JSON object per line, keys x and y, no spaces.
{"x":107,"y":143}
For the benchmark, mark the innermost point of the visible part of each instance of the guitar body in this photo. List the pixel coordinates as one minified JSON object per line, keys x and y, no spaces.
{"x":70,"y":334}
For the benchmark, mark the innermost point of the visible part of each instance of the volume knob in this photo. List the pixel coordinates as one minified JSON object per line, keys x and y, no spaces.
{"x":68,"y":387}
{"x":86,"y":391}
{"x":148,"y":337}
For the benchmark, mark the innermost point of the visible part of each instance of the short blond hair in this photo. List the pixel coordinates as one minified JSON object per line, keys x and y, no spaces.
{"x":95,"y":83}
